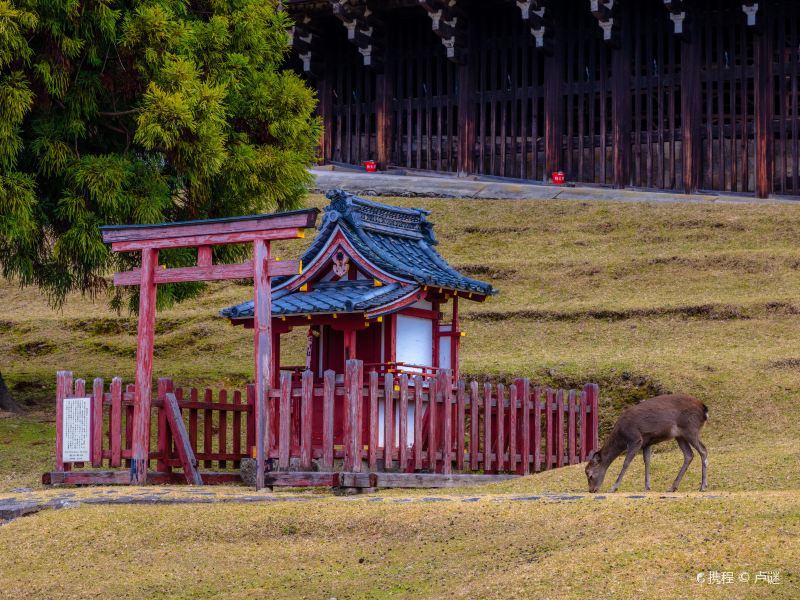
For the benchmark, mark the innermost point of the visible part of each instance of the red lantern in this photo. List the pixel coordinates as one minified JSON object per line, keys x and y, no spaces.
{"x":371,"y":166}
{"x":559,"y":178}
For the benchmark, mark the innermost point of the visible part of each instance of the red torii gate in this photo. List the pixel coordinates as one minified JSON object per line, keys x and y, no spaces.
{"x":259,"y":230}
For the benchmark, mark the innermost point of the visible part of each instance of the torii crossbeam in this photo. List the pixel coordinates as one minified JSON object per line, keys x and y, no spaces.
{"x":259,"y":230}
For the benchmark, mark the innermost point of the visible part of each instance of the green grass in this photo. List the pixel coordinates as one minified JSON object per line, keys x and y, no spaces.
{"x":643,"y":299}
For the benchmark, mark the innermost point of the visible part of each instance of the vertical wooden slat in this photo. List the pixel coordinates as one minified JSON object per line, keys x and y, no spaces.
{"x":374,"y":433}
{"x":222,"y":433}
{"x":164,"y":387}
{"x":550,"y":451}
{"x":501,"y":430}
{"x":524,"y":394}
{"x":250,"y":424}
{"x":445,"y":385}
{"x":571,"y":428}
{"x":208,"y":427}
{"x":306,"y":408}
{"x":537,"y":429}
{"x":63,"y":390}
{"x":433,"y":411}
{"x":388,"y":420}
{"x":403,"y":454}
{"x":460,"y":424}
{"x":236,"y":431}
{"x":352,"y":423}
{"x":560,"y":428}
{"x":115,"y":422}
{"x":581,"y":425}
{"x":97,"y":422}
{"x":284,"y":415}
{"x":328,"y":391}
{"x":487,"y":427}
{"x":129,"y":412}
{"x":474,"y":423}
{"x":418,"y":421}
{"x":512,"y":428}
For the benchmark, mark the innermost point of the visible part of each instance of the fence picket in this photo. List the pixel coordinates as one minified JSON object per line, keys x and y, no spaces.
{"x":374,"y":434}
{"x":571,"y":455}
{"x":403,"y":442}
{"x":208,"y":421}
{"x":501,"y":438}
{"x":115,"y":422}
{"x":285,"y":413}
{"x":418,"y":421}
{"x":474,"y":424}
{"x":560,"y":428}
{"x":222,"y":433}
{"x":306,"y":406}
{"x":98,"y":390}
{"x":388,"y":421}
{"x":460,"y":425}
{"x":237,"y":427}
{"x":328,"y":391}
{"x":487,"y":427}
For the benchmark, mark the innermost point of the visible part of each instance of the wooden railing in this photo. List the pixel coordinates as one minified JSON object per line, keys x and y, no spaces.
{"x":371,"y":422}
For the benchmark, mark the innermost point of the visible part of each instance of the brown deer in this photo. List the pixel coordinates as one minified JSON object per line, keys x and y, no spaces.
{"x":639,"y":427}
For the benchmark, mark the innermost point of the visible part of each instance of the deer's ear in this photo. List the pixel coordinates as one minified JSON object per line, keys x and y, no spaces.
{"x":592,"y":455}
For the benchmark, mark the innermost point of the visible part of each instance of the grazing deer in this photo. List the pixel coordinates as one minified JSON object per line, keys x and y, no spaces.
{"x":639,"y":427}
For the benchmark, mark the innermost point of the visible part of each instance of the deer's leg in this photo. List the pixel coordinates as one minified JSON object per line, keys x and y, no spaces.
{"x":688,"y":455}
{"x":701,"y":450}
{"x":647,"y":453}
{"x":633,"y":449}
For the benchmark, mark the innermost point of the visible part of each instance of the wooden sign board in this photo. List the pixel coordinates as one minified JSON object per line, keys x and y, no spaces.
{"x":76,"y":427}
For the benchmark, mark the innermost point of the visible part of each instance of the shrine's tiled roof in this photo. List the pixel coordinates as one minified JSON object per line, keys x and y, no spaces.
{"x":397,"y":241}
{"x":326,"y":297}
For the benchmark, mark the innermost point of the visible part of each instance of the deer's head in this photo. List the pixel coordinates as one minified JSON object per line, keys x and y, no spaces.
{"x":595,"y":471}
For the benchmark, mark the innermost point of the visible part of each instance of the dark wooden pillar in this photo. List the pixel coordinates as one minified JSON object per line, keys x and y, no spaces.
{"x":763,"y":84}
{"x":466,"y":118}
{"x":144,"y":368}
{"x":691,"y":111}
{"x":383,"y":118}
{"x":553,"y":105}
{"x":325,"y":96}
{"x":621,"y":62}
{"x":262,"y":323}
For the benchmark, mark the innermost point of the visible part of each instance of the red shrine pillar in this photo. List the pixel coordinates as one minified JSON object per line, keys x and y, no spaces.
{"x":144,"y":368}
{"x":262,"y":324}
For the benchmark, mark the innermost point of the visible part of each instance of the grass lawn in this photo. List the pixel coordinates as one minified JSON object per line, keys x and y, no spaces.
{"x":702,"y":299}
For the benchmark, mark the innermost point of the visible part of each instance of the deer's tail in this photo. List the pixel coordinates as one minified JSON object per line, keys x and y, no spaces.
{"x":705,"y":412}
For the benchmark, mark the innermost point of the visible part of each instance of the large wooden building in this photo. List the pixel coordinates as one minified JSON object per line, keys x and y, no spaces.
{"x":681,"y":95}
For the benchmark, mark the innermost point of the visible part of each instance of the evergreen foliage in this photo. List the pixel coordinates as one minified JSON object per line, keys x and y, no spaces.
{"x":141,"y":111}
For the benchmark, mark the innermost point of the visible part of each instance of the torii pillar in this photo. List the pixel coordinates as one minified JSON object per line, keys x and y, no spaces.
{"x":203,"y":235}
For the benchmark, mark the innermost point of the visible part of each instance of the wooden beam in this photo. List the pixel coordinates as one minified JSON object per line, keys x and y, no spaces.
{"x":299,"y":219}
{"x":433,"y":480}
{"x":182,"y":443}
{"x":219,"y":239}
{"x":263,"y":352}
{"x":144,"y":367}
{"x":209,"y":273}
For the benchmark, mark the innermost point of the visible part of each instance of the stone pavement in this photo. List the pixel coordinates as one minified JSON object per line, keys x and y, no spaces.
{"x":435,"y":186}
{"x":26,"y":501}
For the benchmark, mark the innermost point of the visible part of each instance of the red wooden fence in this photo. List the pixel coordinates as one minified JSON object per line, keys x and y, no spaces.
{"x":370,"y":422}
